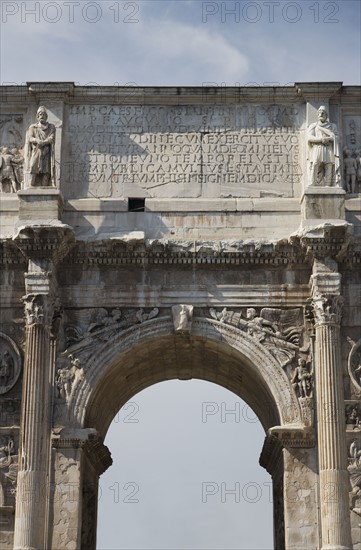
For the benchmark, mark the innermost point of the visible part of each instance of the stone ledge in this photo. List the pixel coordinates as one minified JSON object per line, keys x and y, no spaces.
{"x":187,"y":205}
{"x":353,"y":204}
{"x":96,"y":205}
{"x":9,"y":203}
{"x":323,"y":190}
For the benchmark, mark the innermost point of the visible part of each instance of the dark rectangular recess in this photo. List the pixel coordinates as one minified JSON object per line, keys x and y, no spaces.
{"x":136,"y":205}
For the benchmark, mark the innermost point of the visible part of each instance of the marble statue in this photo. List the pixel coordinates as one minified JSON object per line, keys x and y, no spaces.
{"x":39,"y":152}
{"x":323,"y":151}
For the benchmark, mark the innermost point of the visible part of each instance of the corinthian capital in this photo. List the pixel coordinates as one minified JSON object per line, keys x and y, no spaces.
{"x":39,"y":309}
{"x":327,"y":309}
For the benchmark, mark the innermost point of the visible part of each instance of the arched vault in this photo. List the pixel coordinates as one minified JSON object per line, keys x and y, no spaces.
{"x":146,"y":354}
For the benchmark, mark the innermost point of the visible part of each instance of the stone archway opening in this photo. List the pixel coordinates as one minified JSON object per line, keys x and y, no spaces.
{"x":170,"y":356}
{"x":185,"y":472}
{"x":184,"y":358}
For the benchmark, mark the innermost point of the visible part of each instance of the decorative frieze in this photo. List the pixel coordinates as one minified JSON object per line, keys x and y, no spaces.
{"x":166,"y":252}
{"x":294,"y":437}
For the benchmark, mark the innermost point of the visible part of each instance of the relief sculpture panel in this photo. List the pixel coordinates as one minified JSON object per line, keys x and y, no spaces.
{"x":11,"y":153}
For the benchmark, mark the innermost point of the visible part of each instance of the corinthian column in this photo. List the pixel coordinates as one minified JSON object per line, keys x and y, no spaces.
{"x":334,"y":481}
{"x":32,"y":485}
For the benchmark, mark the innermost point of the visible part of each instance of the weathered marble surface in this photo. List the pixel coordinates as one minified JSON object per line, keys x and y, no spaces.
{"x":233,"y":270}
{"x":185,"y":151}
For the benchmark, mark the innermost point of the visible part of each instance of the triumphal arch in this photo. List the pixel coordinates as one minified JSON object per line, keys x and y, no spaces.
{"x":150,"y":234}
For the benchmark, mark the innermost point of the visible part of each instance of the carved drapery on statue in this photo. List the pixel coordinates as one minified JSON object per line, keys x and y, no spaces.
{"x":324,"y":156}
{"x":39,"y":152}
{"x":182,"y":318}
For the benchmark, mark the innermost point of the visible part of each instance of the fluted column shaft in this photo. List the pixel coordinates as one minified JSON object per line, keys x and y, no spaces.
{"x":335,"y":515}
{"x":31,"y":498}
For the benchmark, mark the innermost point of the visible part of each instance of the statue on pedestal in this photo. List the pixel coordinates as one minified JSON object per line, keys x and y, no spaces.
{"x":324,"y":155}
{"x":39,"y":152}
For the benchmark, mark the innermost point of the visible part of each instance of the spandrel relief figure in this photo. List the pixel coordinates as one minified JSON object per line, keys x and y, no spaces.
{"x":6,"y":450}
{"x":302,"y":379}
{"x":350,"y":170}
{"x":354,"y":469}
{"x":8,"y":462}
{"x":324,"y":158}
{"x":257,"y":326}
{"x":11,"y":177}
{"x":352,"y":416}
{"x":39,"y":152}
{"x":68,"y":378}
{"x":358,"y":164}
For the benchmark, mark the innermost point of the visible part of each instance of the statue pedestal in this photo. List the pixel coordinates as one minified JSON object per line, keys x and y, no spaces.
{"x":42,"y":204}
{"x":322,"y":204}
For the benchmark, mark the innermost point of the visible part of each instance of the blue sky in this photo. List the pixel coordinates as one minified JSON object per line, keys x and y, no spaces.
{"x":185,"y":473}
{"x":182,"y":42}
{"x":170,"y":452}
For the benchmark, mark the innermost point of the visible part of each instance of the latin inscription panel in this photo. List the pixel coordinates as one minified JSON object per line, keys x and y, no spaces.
{"x":187,"y":151}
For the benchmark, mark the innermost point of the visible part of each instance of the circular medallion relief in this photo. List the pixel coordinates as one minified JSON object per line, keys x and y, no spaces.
{"x":354,"y":364}
{"x":10,"y":363}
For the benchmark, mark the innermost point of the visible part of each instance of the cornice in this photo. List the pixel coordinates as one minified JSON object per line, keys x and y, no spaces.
{"x":185,"y":253}
{"x":111,"y":252}
{"x":179,"y":95}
